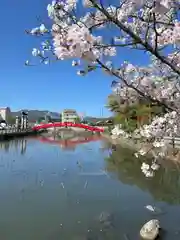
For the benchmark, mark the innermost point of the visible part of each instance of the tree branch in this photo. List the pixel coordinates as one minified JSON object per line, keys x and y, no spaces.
{"x":147,"y":46}
{"x":134,"y":88}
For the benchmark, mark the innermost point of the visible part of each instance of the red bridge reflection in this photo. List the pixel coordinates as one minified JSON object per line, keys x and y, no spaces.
{"x":70,"y":143}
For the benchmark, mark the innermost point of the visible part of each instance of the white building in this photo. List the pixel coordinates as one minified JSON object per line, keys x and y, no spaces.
{"x":69,"y":115}
{"x":5,"y":114}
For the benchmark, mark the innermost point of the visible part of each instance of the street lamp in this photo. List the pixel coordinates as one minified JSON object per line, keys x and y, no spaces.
{"x":24,"y":119}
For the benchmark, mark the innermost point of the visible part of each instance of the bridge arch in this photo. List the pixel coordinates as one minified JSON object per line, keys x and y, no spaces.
{"x":60,"y":124}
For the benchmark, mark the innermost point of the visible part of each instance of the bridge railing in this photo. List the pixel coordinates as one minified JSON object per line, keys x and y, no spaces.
{"x":68,"y":124}
{"x":14,"y":130}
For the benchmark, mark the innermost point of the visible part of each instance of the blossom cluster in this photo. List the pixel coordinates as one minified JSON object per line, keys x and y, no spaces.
{"x":117,"y":131}
{"x":149,"y":170}
{"x":73,"y":37}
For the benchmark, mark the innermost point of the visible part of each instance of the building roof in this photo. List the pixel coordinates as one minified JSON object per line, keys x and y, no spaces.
{"x":69,"y":111}
{"x":4,"y":108}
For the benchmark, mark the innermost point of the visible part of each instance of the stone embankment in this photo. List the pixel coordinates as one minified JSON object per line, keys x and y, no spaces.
{"x":122,"y":141}
{"x":135,"y":142}
{"x":173,"y":153}
{"x":8,"y":134}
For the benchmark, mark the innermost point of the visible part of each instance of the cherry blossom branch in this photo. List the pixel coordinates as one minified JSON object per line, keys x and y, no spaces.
{"x":134,"y":88}
{"x":147,"y":46}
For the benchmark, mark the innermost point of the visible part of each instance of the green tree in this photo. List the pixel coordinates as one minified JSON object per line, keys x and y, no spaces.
{"x":78,"y":120}
{"x":112,"y":104}
{"x":132,"y":116}
{"x":163,"y":186}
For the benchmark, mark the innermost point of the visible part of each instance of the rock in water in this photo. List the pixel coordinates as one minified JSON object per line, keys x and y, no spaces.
{"x":106,"y":219}
{"x":150,"y":230}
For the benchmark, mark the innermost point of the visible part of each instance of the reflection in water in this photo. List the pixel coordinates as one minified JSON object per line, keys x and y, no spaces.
{"x":165,"y":186}
{"x":66,"y":144}
{"x":70,"y":143}
{"x":47,"y":193}
{"x":18,"y":144}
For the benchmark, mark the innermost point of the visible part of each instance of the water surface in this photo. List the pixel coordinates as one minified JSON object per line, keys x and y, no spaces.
{"x":81,"y":189}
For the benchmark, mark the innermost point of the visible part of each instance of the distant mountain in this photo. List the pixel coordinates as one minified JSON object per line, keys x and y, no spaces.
{"x":34,"y":115}
{"x":97,"y":119}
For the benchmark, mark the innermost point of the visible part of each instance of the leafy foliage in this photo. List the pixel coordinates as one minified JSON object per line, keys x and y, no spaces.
{"x":132,"y":116}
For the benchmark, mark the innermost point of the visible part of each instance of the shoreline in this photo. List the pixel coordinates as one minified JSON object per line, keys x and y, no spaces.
{"x":9,"y":135}
{"x":129,"y":143}
{"x":122,"y":141}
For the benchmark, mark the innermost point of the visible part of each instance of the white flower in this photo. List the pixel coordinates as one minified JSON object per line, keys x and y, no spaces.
{"x":51,"y":11}
{"x":55,"y":28}
{"x":142,"y":152}
{"x":110,"y":51}
{"x":34,"y":31}
{"x":46,"y":62}
{"x":159,"y":143}
{"x":136,"y":155}
{"x":173,"y":114}
{"x":46,"y":46}
{"x":161,"y":154}
{"x":161,"y":7}
{"x":35,"y":52}
{"x":81,"y":73}
{"x":145,"y":166}
{"x":75,"y":63}
{"x":87,"y":3}
{"x":75,"y":42}
{"x":43,"y":29}
{"x":120,"y":39}
{"x":155,"y":166}
{"x":149,"y":174}
{"x":27,"y":62}
{"x":130,"y":68}
{"x":114,"y":137}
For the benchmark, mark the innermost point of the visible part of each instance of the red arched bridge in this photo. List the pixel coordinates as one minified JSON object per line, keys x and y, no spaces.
{"x":60,"y":124}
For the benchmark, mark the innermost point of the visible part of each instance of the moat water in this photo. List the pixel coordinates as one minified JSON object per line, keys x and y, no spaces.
{"x":82,"y":189}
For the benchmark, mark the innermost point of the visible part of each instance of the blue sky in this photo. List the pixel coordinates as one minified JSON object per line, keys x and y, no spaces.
{"x":52,"y":87}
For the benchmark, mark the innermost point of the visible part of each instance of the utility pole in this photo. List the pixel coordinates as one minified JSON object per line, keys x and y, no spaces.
{"x":101,"y":112}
